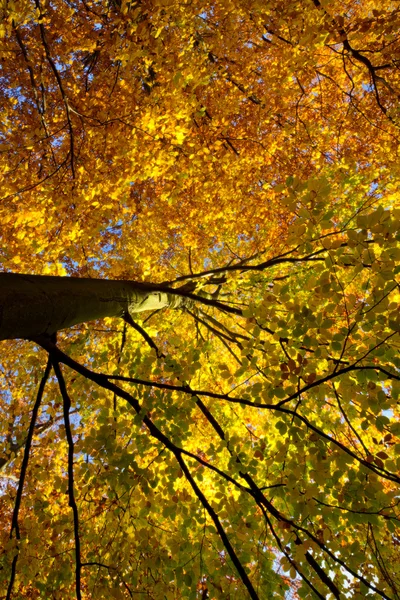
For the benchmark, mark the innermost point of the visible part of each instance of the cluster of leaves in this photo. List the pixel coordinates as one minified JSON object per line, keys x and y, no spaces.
{"x":244,"y":153}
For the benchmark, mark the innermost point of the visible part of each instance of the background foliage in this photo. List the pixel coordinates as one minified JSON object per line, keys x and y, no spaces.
{"x":249,"y":444}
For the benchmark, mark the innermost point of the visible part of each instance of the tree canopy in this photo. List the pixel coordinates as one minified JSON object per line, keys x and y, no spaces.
{"x":225,"y":177}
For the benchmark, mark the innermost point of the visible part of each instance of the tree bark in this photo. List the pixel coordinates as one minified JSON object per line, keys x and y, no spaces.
{"x":36,"y":305}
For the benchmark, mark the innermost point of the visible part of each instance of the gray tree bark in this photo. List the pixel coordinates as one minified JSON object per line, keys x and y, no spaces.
{"x":36,"y":305}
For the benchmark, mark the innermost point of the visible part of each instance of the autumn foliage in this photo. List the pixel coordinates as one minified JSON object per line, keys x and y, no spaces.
{"x":244,"y":156}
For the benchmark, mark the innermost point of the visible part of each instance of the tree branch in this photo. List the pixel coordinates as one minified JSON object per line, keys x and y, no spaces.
{"x":71,"y":495}
{"x":24,"y":466}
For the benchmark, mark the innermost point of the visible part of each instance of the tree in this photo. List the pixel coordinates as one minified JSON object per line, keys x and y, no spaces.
{"x":207,"y":407}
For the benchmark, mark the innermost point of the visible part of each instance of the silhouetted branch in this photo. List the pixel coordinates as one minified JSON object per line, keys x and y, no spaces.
{"x":24,"y":466}
{"x":71,"y":494}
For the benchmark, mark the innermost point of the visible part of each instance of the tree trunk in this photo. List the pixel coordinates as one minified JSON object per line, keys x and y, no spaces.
{"x":35,"y":305}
